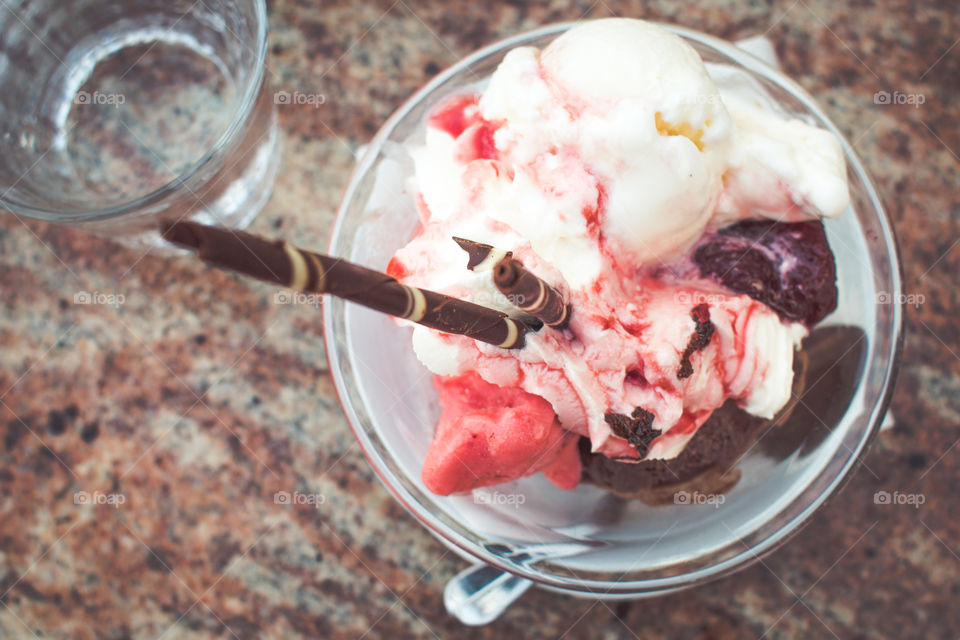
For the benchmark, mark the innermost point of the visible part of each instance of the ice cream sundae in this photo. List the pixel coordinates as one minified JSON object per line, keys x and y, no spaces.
{"x":654,"y":224}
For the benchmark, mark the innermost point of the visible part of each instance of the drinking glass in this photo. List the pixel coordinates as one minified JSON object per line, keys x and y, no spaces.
{"x":115,"y":115}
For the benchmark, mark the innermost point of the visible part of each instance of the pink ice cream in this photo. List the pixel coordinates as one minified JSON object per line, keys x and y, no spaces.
{"x":600,"y":162}
{"x":489,"y":434}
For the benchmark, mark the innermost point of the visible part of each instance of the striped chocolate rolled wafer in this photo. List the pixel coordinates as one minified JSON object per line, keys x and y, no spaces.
{"x":525,"y":290}
{"x":531,"y":294}
{"x":279,"y":263}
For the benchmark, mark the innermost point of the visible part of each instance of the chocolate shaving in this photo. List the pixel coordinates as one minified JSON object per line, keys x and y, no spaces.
{"x":621,"y":425}
{"x":481,"y":257}
{"x":637,"y":428}
{"x":701,"y":337}
{"x":279,"y":263}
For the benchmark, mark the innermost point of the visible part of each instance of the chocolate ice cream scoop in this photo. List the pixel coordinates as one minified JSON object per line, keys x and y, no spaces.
{"x":715,"y":448}
{"x":825,"y":373}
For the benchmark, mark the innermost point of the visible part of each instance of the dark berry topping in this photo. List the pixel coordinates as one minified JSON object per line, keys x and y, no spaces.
{"x":786,"y":265}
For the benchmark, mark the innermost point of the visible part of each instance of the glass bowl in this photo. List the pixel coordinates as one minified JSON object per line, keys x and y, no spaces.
{"x":591,"y":542}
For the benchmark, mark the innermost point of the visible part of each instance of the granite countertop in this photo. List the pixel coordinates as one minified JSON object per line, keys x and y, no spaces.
{"x":197,"y":398}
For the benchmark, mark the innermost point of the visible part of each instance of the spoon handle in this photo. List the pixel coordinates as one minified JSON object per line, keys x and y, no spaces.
{"x":479,"y":594}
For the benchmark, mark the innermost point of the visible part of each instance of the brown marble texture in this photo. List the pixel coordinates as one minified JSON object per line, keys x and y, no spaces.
{"x":198,"y":398}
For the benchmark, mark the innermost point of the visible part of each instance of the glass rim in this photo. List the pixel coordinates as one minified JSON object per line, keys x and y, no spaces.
{"x":607,"y":589}
{"x":234,"y":129}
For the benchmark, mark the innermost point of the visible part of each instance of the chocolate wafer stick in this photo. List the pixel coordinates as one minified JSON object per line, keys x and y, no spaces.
{"x":279,"y":263}
{"x":528,"y":292}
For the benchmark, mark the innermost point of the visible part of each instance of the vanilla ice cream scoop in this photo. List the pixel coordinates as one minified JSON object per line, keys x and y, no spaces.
{"x":634,"y":107}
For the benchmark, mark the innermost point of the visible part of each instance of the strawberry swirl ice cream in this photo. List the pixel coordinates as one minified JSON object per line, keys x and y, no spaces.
{"x":615,"y":167}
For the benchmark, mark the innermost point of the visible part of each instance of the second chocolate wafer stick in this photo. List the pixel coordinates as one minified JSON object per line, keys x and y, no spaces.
{"x":528,"y":292}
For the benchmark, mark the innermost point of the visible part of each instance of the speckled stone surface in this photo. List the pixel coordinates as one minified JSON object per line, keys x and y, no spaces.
{"x":198,"y":398}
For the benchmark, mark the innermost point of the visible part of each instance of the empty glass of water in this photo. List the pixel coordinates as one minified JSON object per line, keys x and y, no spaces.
{"x":116,"y":115}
